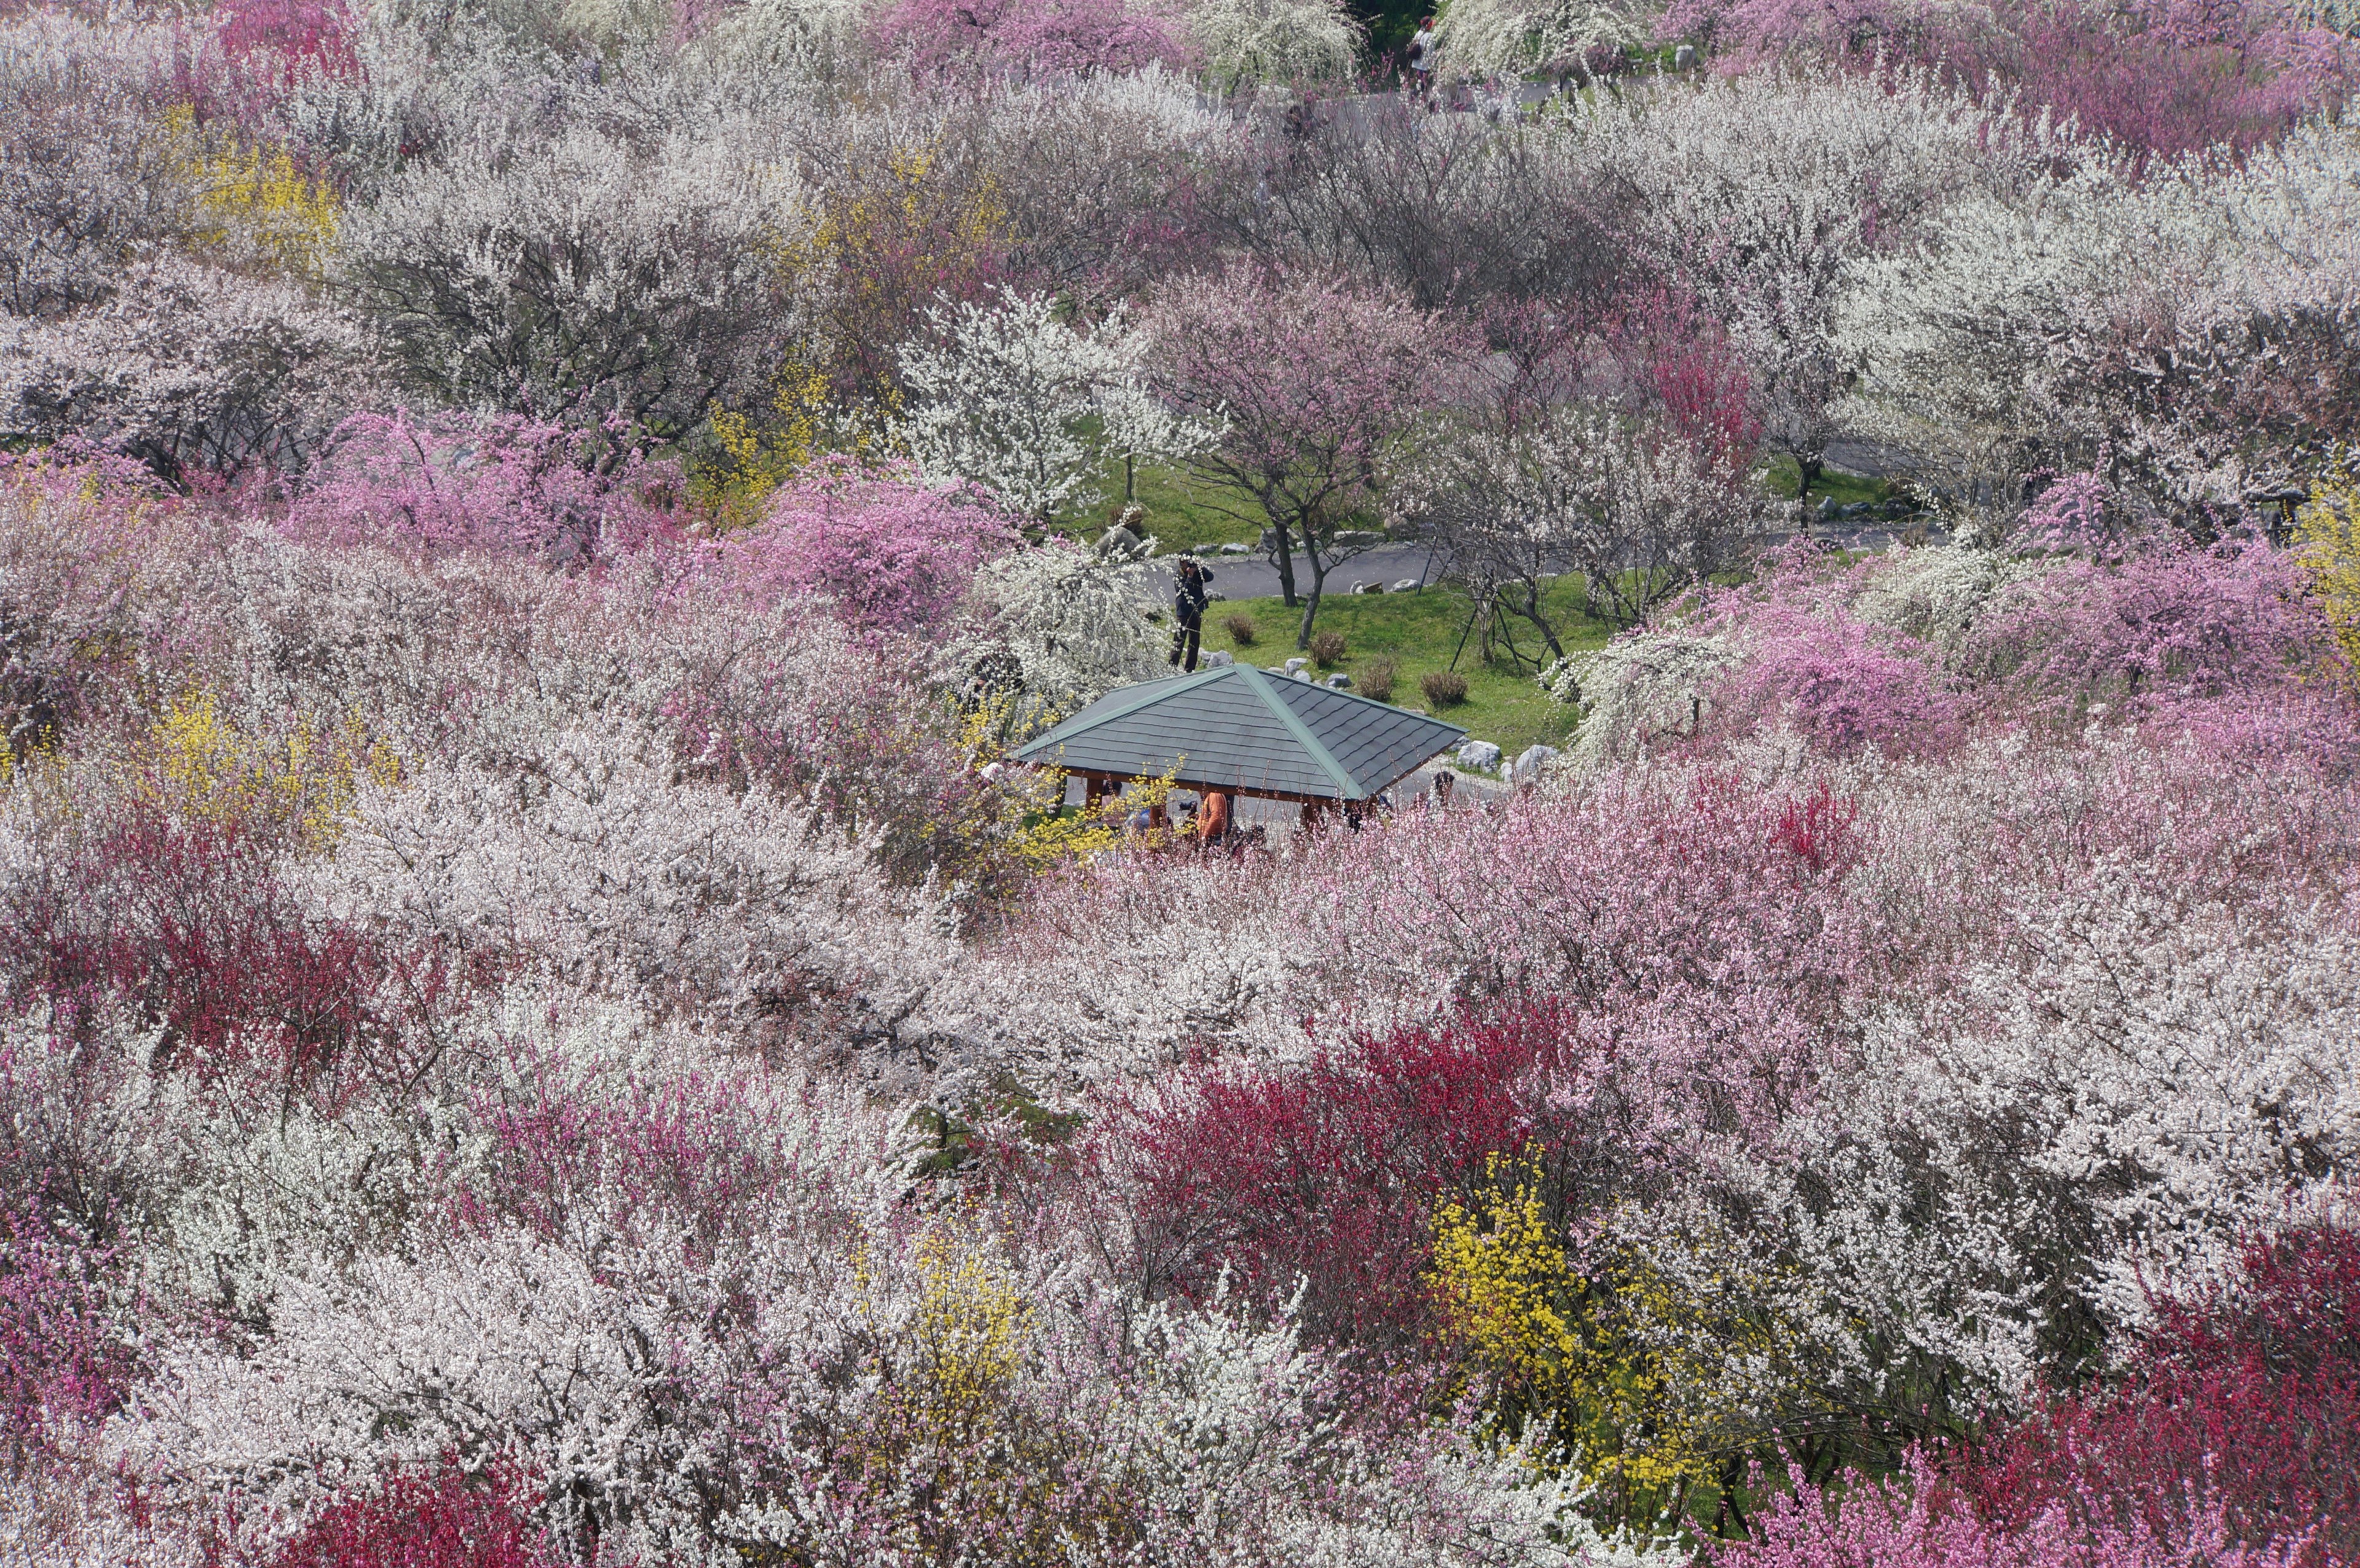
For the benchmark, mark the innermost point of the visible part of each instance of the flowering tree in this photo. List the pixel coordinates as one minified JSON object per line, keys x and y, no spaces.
{"x":1244,"y":42}
{"x":578,"y":279}
{"x":505,"y":483}
{"x":1061,"y":37}
{"x":1031,"y":408}
{"x":891,"y":553}
{"x":193,"y":370}
{"x":1318,"y":384}
{"x":89,"y":183}
{"x":1487,"y":38}
{"x":1058,"y":629}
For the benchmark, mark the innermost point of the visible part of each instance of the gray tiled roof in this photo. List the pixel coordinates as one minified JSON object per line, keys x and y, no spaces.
{"x":1241,"y":728}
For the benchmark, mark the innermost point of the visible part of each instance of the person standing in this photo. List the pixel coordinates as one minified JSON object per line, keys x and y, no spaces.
{"x":1213,"y":819}
{"x":1188,"y":603}
{"x":1421,"y":62}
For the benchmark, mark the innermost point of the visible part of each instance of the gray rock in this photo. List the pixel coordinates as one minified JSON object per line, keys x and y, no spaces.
{"x":1219,"y":659}
{"x":1684,"y":58}
{"x":1304,"y":676}
{"x":1208,"y":549}
{"x":1368,"y":587}
{"x":1214,"y":596}
{"x":1237,"y":550}
{"x":1296,"y":665}
{"x":1357,"y":538}
{"x":1340,"y":681}
{"x":1406,"y":585}
{"x":1529,"y":761}
{"x":1479,"y":754}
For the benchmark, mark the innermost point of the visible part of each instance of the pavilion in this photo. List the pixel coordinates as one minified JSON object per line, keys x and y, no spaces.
{"x":1247,"y":732}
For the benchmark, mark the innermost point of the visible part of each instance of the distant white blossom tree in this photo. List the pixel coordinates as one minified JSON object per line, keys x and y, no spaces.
{"x":1009,"y":397}
{"x":1508,"y":37}
{"x":1247,"y":41}
{"x":1057,"y":628}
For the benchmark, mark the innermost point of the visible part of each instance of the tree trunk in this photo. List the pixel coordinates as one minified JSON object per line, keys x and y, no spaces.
{"x":1311,"y":603}
{"x":1285,"y":563}
{"x":1807,"y":471}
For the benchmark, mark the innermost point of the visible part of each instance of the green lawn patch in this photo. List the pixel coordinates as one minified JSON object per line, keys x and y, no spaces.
{"x":1419,"y":632}
{"x":1182,"y":513}
{"x":1782,"y":476}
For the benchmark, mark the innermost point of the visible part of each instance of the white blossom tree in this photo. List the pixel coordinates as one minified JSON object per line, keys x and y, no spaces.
{"x":1249,"y":41}
{"x":1484,"y":38}
{"x":1034,"y":410}
{"x":1057,"y":628}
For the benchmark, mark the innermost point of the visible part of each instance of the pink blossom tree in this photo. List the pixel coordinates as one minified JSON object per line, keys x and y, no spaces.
{"x":1317,"y":382}
{"x":1029,"y":36}
{"x":892,"y":554}
{"x":504,"y":483}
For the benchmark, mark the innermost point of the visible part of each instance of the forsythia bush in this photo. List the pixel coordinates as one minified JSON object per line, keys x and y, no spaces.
{"x":2327,"y":537}
{"x":1582,"y":1352}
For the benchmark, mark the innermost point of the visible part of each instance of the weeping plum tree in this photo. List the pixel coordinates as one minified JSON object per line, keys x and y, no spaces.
{"x":1318,"y":382}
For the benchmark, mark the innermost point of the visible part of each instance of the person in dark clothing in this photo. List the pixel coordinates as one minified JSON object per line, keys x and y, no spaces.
{"x":1188,"y":607}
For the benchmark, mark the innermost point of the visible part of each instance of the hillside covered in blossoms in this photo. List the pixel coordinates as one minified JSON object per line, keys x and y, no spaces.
{"x":542,"y":1023}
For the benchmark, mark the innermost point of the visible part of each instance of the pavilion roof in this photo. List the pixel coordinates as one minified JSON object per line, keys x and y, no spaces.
{"x":1249,"y":732}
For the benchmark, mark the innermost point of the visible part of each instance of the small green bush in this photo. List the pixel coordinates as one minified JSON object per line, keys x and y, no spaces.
{"x":1240,"y":628}
{"x":1443,"y":687}
{"x":1376,"y":680}
{"x":1328,"y":649}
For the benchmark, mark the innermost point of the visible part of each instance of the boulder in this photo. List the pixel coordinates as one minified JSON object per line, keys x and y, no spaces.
{"x":1479,"y":754}
{"x":1219,"y":659}
{"x":1406,"y":585}
{"x":1296,"y":665}
{"x":1237,"y":550}
{"x":1368,"y":587}
{"x":1684,"y":58}
{"x":1529,"y":761}
{"x":1340,"y":681}
{"x":1357,"y":539}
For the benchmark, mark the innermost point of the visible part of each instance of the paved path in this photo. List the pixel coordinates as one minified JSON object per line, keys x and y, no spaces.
{"x":1256,"y":577}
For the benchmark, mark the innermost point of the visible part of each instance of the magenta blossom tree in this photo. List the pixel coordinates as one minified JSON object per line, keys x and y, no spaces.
{"x":504,"y":483}
{"x":1318,"y":383}
{"x":2160,"y":76}
{"x":892,"y":554}
{"x":1028,"y":36}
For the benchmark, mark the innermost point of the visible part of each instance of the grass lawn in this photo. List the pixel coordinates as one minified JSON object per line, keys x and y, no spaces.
{"x":1181,"y":513}
{"x":1781,"y":477}
{"x":1418,"y":631}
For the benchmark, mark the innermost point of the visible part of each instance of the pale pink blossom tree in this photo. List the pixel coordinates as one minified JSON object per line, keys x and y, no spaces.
{"x":1029,"y":36}
{"x":1318,"y":384}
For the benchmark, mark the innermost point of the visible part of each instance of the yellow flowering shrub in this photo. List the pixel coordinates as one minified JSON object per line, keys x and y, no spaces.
{"x":892,"y":233}
{"x":257,"y":201}
{"x":2327,"y":543}
{"x":1043,"y":833}
{"x":754,"y":455}
{"x":969,"y":1330}
{"x":303,"y":783}
{"x":984,"y":1473}
{"x":1603,"y":1358}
